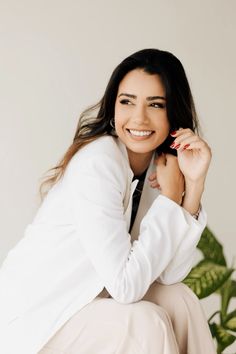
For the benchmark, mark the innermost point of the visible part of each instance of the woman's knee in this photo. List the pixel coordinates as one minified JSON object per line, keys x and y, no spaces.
{"x":172,"y":297}
{"x":144,"y":307}
{"x":178,"y":298}
{"x":144,"y":323}
{"x":140,"y":311}
{"x":150,"y":315}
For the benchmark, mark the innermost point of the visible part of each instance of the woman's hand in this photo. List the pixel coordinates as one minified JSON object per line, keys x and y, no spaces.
{"x":168,"y":177}
{"x":193,"y":158}
{"x":194,"y":155}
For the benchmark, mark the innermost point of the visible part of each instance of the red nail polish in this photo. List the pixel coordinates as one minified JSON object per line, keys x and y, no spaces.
{"x":173,"y":133}
{"x":187,"y":145}
{"x":172,"y":145}
{"x":177,"y":146}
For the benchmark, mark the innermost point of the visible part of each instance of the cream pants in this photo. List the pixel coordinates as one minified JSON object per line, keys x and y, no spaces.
{"x":168,"y":320}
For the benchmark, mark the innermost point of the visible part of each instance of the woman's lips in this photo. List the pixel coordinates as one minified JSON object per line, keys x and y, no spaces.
{"x":136,"y":137}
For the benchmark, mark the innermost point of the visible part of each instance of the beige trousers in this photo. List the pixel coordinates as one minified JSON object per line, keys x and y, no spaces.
{"x":168,"y":320}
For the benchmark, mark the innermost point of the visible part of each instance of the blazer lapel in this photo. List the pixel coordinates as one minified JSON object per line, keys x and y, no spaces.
{"x":128,"y":210}
{"x":147,"y":197}
{"x":130,"y":185}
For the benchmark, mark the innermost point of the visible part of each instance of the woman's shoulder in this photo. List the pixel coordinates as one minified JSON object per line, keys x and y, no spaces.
{"x":102,"y":153}
{"x":105,"y":146}
{"x":102,"y":144}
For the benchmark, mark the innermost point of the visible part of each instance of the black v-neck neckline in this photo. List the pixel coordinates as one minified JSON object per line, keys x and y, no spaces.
{"x":136,"y":196}
{"x":140,"y":177}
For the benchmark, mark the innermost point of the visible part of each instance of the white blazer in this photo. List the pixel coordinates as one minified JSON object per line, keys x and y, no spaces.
{"x":78,"y":243}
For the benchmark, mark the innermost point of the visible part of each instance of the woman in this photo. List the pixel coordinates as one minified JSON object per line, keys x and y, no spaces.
{"x":99,"y":269}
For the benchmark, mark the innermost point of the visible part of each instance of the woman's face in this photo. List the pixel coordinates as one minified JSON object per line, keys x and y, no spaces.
{"x":140,"y":113}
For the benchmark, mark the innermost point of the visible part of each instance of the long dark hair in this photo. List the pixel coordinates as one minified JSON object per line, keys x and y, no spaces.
{"x":179,"y":104}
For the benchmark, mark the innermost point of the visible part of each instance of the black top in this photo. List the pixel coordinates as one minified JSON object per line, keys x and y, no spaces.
{"x":136,"y":196}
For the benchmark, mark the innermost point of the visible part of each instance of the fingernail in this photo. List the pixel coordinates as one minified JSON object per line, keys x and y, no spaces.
{"x":172,"y":145}
{"x":173,"y":133}
{"x":187,"y":145}
{"x":177,"y":146}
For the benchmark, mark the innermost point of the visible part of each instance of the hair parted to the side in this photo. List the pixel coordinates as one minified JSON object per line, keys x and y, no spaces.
{"x":179,"y":104}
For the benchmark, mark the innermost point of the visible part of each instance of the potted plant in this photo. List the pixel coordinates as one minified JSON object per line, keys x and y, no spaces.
{"x":213,"y":275}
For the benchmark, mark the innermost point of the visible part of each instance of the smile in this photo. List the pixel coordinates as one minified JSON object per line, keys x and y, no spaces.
{"x":140,"y":132}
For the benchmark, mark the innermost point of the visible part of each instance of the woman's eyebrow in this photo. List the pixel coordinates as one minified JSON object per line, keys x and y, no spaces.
{"x":149,"y":98}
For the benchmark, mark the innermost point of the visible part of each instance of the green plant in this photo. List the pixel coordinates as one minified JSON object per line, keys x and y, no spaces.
{"x":212,"y":275}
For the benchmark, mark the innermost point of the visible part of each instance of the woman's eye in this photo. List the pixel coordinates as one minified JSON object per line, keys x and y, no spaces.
{"x":154,"y":104}
{"x":124,"y":101}
{"x":158,"y":105}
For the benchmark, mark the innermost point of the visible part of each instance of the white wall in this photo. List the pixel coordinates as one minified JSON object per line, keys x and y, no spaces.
{"x":56,"y":58}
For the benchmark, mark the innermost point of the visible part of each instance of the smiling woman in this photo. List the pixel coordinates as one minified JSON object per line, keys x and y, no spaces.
{"x":99,"y":269}
{"x":139,"y":118}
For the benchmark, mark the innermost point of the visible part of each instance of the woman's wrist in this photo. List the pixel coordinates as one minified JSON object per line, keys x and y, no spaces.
{"x":194,"y":185}
{"x":192,"y":198}
{"x":196,"y":215}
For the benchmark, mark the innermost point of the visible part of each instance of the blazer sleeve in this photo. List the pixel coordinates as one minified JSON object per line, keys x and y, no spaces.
{"x":96,"y":190}
{"x":184,"y":257}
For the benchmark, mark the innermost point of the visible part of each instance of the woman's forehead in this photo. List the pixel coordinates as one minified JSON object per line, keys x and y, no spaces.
{"x":137,"y":82}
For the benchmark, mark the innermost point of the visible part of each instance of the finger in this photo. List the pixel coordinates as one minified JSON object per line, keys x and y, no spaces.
{"x":152,"y":176}
{"x":182,"y":137}
{"x":186,"y":142}
{"x":181,"y":131}
{"x":155,"y":185}
{"x":200,"y":145}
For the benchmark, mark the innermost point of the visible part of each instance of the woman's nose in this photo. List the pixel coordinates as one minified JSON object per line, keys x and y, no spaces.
{"x":139,"y":115}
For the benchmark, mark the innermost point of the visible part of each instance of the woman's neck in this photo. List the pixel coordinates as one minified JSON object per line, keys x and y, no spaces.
{"x":139,"y":162}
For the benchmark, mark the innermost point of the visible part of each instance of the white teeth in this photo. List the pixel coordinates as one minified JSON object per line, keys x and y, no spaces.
{"x":140,"y":133}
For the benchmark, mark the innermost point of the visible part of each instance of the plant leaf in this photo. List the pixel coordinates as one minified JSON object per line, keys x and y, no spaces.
{"x":230,"y":321}
{"x":233,"y":289}
{"x":227,"y":291}
{"x":206,"y":277}
{"x":223,"y":338}
{"x":211,"y":247}
{"x":231,"y":324}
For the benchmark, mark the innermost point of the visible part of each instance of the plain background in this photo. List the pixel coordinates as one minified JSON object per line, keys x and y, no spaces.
{"x":56,"y":58}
